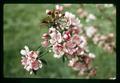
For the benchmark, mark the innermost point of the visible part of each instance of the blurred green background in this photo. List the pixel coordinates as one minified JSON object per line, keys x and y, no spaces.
{"x":22,"y":27}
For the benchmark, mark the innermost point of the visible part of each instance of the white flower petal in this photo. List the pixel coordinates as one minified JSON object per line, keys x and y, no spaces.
{"x":26,"y":48}
{"x":23,"y":52}
{"x":28,"y":68}
{"x":91,"y":55}
{"x":57,"y":7}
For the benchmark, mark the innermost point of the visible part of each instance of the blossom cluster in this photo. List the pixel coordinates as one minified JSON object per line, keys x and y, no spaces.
{"x":91,"y":32}
{"x":65,"y":38}
{"x":30,"y":60}
{"x":105,"y":41}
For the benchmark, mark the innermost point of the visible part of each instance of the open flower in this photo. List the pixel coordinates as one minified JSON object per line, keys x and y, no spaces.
{"x":29,"y":60}
{"x":67,"y":35}
{"x":45,"y":43}
{"x":76,"y":30}
{"x":66,"y":40}
{"x":72,"y":20}
{"x":90,"y":31}
{"x":58,"y":50}
{"x":55,"y":37}
{"x":36,"y":64}
{"x":76,"y":39}
{"x":76,"y":65}
{"x":69,"y":47}
{"x":25,"y":51}
{"x":90,"y":17}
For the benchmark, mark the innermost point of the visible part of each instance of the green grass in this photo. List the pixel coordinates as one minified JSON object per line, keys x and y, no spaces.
{"x":22,"y":27}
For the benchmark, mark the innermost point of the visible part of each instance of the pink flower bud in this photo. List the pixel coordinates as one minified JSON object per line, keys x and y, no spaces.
{"x":45,"y":36}
{"x":67,"y":35}
{"x":45,"y":43}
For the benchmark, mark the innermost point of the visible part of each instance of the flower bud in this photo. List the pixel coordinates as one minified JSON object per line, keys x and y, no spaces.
{"x":45,"y":36}
{"x":48,"y":12}
{"x":45,"y":43}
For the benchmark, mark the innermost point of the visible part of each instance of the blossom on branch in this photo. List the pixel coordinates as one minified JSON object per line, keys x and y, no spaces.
{"x":66,"y":41}
{"x":30,"y":60}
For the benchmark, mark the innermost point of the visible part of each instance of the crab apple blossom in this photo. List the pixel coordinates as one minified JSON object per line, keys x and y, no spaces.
{"x":55,"y":36}
{"x":90,"y":17}
{"x":45,"y":36}
{"x":30,"y":60}
{"x":45,"y":43}
{"x":107,"y":42}
{"x":36,"y":65}
{"x":66,"y":35}
{"x":69,"y":47}
{"x":72,"y":20}
{"x":76,"y":30}
{"x":66,"y":41}
{"x":90,"y":31}
{"x":76,"y":39}
{"x":58,"y":50}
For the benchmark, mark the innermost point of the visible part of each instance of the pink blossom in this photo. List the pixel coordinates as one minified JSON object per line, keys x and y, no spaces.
{"x":76,"y":39}
{"x":75,"y":30}
{"x":45,"y":43}
{"x":69,"y":47}
{"x":90,"y":31}
{"x":96,"y":38}
{"x":87,"y":60}
{"x":58,"y":50}
{"x":36,"y":64}
{"x":67,"y":35}
{"x":24,"y":60}
{"x":31,"y":64}
{"x":76,"y":65}
{"x":45,"y":36}
{"x":72,"y":20}
{"x":79,"y":66}
{"x":72,"y":62}
{"x":33,"y":54}
{"x":90,"y":17}
{"x":29,"y":60}
{"x":55,"y":37}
